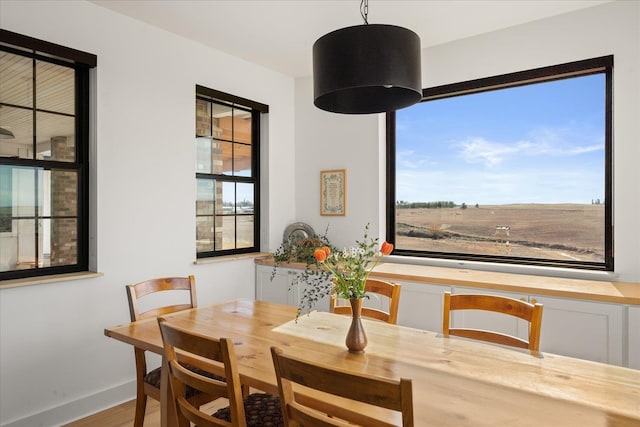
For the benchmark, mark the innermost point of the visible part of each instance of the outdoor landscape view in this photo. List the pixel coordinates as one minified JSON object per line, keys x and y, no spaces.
{"x":567,"y":232}
{"x":517,"y":172}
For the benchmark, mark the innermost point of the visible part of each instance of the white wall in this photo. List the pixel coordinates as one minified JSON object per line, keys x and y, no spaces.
{"x":55,"y":362}
{"x":326,"y":140}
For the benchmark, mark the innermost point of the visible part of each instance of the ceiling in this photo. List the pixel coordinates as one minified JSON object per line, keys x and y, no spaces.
{"x":280,"y":34}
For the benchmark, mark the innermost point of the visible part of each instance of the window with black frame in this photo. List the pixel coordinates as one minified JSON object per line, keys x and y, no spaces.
{"x":44,"y":143}
{"x":510,"y":169}
{"x":227,"y":147}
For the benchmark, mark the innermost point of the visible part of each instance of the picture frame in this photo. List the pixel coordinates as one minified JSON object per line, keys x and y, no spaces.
{"x":333,"y":192}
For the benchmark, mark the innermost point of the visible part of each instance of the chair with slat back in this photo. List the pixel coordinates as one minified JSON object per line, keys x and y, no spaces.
{"x":532,"y":313}
{"x":357,"y":399}
{"x":374,"y":286}
{"x":148,"y":383}
{"x":211,"y":354}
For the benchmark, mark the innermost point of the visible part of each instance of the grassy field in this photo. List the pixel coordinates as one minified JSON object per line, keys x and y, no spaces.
{"x":553,"y":231}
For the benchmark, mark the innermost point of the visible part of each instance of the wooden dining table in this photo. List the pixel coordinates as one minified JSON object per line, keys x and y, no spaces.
{"x":456,"y":382}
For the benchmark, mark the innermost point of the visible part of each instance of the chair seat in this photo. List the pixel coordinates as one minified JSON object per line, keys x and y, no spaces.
{"x":260,"y":409}
{"x":153,"y":378}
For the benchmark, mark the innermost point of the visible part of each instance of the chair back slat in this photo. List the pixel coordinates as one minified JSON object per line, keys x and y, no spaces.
{"x":495,"y":303}
{"x":161,"y":311}
{"x":493,"y":337}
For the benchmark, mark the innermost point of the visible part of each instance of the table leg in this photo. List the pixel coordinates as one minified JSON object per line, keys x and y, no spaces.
{"x":168,"y":414}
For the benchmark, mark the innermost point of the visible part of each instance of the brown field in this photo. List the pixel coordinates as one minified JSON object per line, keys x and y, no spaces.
{"x":558,"y":232}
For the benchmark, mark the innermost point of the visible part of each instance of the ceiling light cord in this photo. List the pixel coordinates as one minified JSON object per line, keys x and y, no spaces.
{"x":364,"y":10}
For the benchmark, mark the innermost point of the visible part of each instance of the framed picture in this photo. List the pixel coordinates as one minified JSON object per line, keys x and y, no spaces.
{"x":333,"y":192}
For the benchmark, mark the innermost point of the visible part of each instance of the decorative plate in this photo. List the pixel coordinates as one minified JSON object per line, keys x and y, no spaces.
{"x":298,"y":230}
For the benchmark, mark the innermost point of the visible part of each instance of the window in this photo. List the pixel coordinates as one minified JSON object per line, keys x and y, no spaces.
{"x":511,"y":169}
{"x":44,"y":176}
{"x":227,"y":176}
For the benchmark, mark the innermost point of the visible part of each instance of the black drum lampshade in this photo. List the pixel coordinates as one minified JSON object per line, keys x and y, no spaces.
{"x":371,"y":68}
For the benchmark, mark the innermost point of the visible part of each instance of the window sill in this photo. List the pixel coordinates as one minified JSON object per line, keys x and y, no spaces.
{"x":532,"y":284}
{"x":30,"y":281}
{"x":226,"y":258}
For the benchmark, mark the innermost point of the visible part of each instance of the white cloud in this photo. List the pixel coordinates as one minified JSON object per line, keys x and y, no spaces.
{"x":479,"y":150}
{"x":566,"y":141}
{"x":550,"y":142}
{"x":587,"y":149}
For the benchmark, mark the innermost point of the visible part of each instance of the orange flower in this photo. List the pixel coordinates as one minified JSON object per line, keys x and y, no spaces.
{"x":326,"y":250}
{"x":320,"y":255}
{"x":386,"y":248}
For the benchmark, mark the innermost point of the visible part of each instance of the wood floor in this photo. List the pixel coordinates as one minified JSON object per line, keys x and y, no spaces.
{"x":122,"y":415}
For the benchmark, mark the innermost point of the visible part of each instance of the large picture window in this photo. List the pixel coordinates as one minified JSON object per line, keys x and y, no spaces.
{"x":227,"y":177}
{"x":511,"y":169}
{"x":44,"y":142}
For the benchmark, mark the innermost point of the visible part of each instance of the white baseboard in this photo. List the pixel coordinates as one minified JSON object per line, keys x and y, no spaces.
{"x":79,"y":408}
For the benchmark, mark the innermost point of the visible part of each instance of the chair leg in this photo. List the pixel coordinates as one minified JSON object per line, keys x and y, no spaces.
{"x":141,"y":407}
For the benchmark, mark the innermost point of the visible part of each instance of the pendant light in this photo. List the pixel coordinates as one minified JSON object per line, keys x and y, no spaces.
{"x":367,"y":68}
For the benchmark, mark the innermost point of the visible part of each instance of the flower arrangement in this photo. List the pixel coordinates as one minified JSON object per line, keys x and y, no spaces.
{"x":351,"y":267}
{"x":343,"y":272}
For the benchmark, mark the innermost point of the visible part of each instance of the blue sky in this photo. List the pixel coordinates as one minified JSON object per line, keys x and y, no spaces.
{"x":540,"y":143}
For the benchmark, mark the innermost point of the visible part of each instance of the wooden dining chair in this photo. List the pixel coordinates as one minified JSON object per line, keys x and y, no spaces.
{"x":356,"y":398}
{"x":379,"y":287}
{"x":148,"y":382}
{"x":532,"y":313}
{"x":210,"y":355}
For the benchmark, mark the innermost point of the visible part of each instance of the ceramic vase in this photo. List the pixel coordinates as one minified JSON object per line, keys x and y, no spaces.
{"x":356,"y":338}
